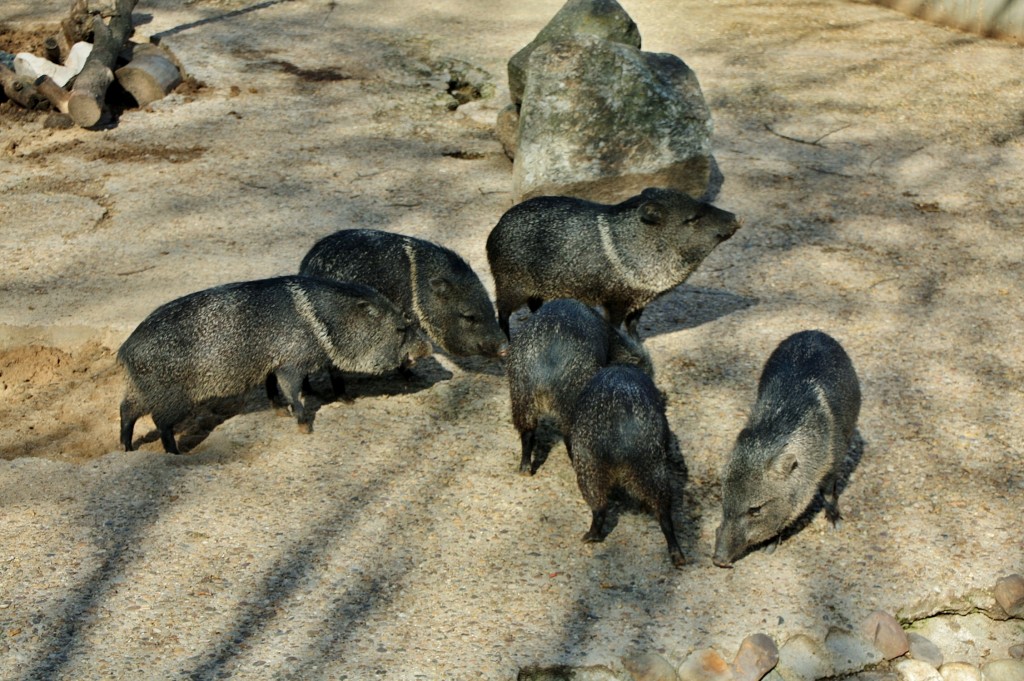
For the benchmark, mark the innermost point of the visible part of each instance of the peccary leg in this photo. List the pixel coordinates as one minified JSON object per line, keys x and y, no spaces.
{"x":568,"y":446}
{"x":129,"y":415}
{"x":167,"y":439}
{"x":534,"y":303}
{"x":595,"y":533}
{"x":675,"y":553}
{"x":830,"y":494}
{"x":277,"y":400}
{"x":632,"y":322}
{"x":290,"y":380}
{"x":338,"y":385}
{"x":505,"y":311}
{"x":528,"y":439}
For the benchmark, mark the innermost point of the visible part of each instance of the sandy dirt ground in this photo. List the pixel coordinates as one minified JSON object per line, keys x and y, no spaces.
{"x":875,"y":159}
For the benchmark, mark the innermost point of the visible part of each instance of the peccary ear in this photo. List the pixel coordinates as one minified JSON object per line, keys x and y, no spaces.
{"x":368,"y":308}
{"x":440,"y":286}
{"x":786,"y":462}
{"x":652,"y":213}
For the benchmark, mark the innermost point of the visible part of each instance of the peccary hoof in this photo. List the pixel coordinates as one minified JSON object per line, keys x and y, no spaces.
{"x":526,"y":469}
{"x":306,"y":428}
{"x":592,"y":538}
{"x":678,"y":559}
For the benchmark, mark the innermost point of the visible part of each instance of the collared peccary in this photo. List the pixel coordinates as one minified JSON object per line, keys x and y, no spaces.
{"x":431,"y":283}
{"x":553,"y":355}
{"x":621,"y":439}
{"x":619,"y":256}
{"x":222,"y":341}
{"x":793,"y":445}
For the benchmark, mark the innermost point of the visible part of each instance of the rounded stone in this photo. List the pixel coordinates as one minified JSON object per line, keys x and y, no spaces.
{"x":705,"y":665}
{"x":1003,"y":670}
{"x":960,"y":671}
{"x":850,"y":652}
{"x":916,"y":670}
{"x":923,"y":649}
{"x":885,"y":632}
{"x":803,"y":659}
{"x":757,"y":656}
{"x":649,"y":667}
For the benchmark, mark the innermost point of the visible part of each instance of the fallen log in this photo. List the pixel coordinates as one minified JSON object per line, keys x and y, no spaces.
{"x":20,"y":90}
{"x":53,"y":92}
{"x":87,"y":104}
{"x":150,"y":75}
{"x":74,"y":28}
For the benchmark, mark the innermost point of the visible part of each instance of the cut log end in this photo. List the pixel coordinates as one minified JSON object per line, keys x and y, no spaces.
{"x":85,"y":111}
{"x":149,"y":77}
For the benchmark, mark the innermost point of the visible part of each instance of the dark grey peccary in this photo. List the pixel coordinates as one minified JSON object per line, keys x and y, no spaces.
{"x":619,"y":256}
{"x":431,"y":283}
{"x":222,"y":341}
{"x":621,"y":439}
{"x":793,"y":445}
{"x":552,"y":357}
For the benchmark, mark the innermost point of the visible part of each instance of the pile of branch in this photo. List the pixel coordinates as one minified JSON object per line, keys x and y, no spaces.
{"x":149,"y":74}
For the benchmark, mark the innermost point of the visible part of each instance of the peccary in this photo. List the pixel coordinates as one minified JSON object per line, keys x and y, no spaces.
{"x":553,"y":355}
{"x":222,"y":341}
{"x":621,"y":439}
{"x":619,"y":256}
{"x":431,"y":283}
{"x":793,"y":445}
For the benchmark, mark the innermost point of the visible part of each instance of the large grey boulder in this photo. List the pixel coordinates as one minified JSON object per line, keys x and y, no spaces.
{"x":601,"y":120}
{"x":601,"y":18}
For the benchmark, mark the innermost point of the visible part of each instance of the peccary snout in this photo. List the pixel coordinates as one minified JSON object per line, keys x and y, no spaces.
{"x":792,"y":446}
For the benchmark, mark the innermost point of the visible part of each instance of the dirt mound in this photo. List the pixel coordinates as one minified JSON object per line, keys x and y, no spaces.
{"x":58,"y":401}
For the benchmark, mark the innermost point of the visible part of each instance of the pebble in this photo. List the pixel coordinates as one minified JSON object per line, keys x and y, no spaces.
{"x":1009,"y":593}
{"x":850,"y":652}
{"x":959,"y":671}
{"x":757,"y":656}
{"x":1003,"y":670}
{"x":649,"y":667}
{"x":705,"y":665}
{"x":916,"y":670}
{"x":923,"y":649}
{"x":803,"y":659}
{"x":885,"y":632}
{"x":1017,"y":651}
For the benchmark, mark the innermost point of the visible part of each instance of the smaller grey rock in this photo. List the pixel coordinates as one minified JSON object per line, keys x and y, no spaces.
{"x":850,"y":652}
{"x":705,"y":665}
{"x":959,"y":671}
{"x":1003,"y":670}
{"x":1017,"y":651}
{"x":923,"y":649}
{"x":886,"y":634}
{"x":803,"y":659}
{"x":916,"y":670}
{"x":1009,"y":593}
{"x":649,"y":667}
{"x":757,"y":656}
